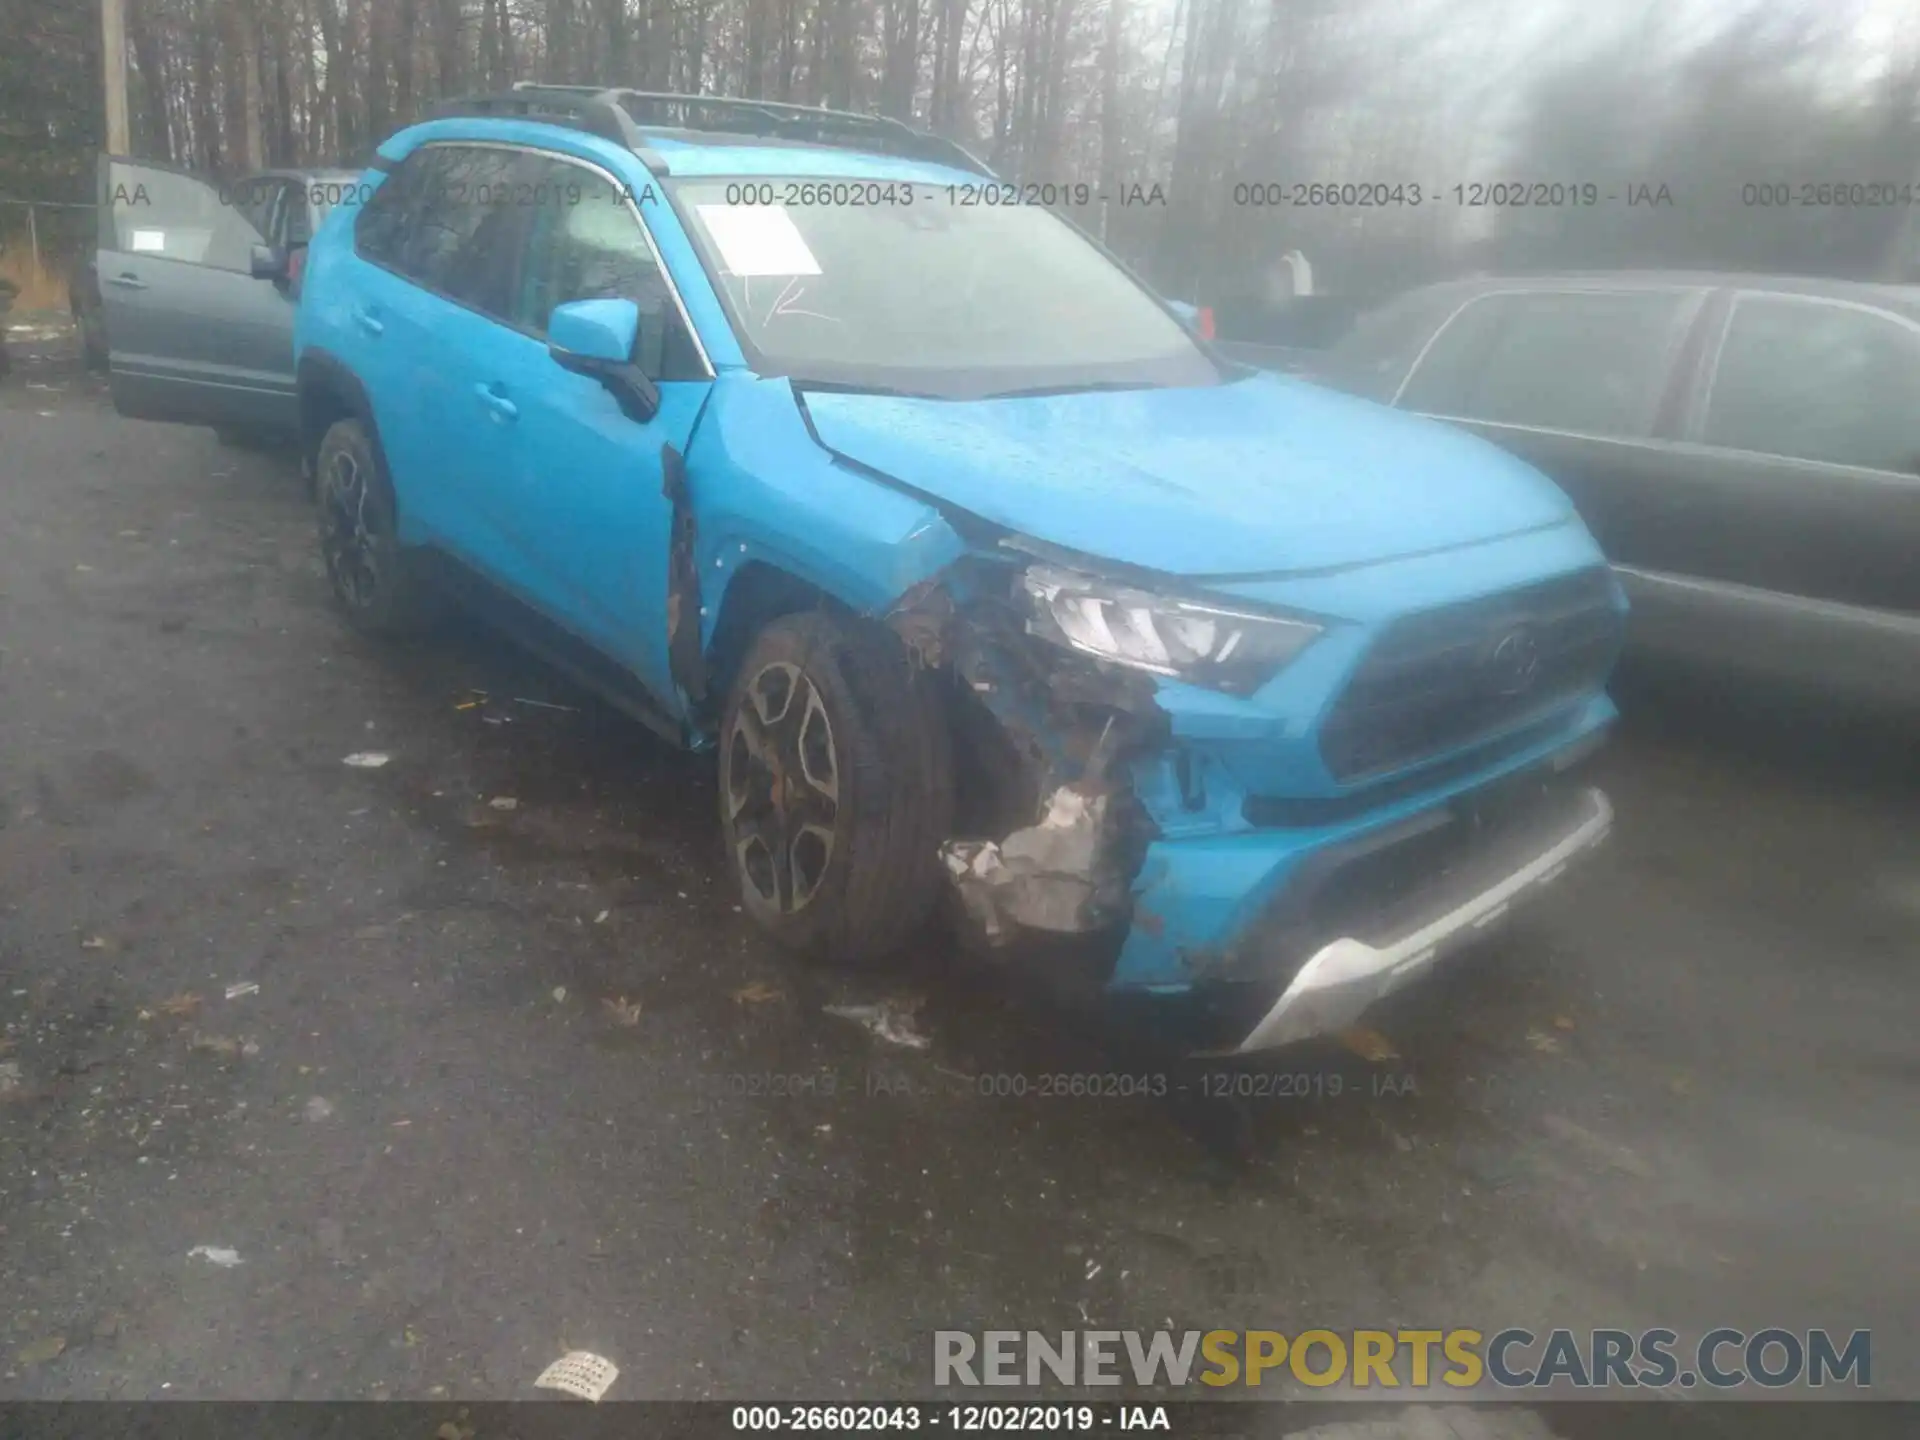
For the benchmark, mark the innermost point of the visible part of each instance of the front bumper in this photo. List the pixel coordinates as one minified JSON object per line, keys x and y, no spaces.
{"x":1342,"y":978}
{"x":1267,"y":935}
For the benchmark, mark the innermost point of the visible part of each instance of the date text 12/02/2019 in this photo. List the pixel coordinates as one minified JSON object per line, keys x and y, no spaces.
{"x":1472,"y":195}
{"x":956,"y":1419}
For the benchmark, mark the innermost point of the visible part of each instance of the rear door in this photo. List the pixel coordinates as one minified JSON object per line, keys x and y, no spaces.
{"x":1580,"y":383}
{"x":1802,"y":454}
{"x":1806,"y":442}
{"x":191,"y":335}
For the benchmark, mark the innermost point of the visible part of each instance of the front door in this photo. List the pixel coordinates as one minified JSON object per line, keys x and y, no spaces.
{"x":1575,"y":382}
{"x":191,"y":335}
{"x":581,"y":502}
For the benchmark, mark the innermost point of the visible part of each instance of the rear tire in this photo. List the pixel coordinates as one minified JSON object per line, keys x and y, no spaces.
{"x":376,"y":582}
{"x":836,"y":786}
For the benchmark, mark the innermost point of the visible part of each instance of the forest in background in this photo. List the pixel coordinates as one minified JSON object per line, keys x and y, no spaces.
{"x":1195,"y":96}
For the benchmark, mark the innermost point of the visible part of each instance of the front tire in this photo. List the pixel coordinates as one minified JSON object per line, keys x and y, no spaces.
{"x":375,"y":580}
{"x":836,"y":786}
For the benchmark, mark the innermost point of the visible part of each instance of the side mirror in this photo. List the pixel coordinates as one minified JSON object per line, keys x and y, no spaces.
{"x":597,"y":338}
{"x":267,"y":263}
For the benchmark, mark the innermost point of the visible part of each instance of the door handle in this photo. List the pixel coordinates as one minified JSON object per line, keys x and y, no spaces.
{"x":369,"y":322}
{"x":128,"y":282}
{"x":499,"y":404}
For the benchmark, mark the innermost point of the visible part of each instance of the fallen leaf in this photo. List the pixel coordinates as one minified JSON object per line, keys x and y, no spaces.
{"x":1546,"y":1044}
{"x":217,"y":1044}
{"x":504,"y":802}
{"x":94,"y":942}
{"x":601,"y":918}
{"x":1368,"y":1044}
{"x":41,"y":1351}
{"x":181,"y":1005}
{"x":1563,"y":1022}
{"x":625,"y":1012}
{"x":757,"y":993}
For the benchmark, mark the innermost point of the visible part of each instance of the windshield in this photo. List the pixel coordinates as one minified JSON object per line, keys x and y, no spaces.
{"x":929,"y":289}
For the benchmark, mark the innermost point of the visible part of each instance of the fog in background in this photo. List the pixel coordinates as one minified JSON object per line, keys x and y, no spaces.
{"x":1196,"y":96}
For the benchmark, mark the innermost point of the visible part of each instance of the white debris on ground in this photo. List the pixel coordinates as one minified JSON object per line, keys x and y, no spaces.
{"x":891,"y":1020}
{"x":367,"y":759}
{"x":215,"y":1255}
{"x":581,"y":1373}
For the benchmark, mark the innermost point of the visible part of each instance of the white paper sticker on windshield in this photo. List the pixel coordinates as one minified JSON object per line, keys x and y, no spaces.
{"x":758,"y":240}
{"x":147,"y":240}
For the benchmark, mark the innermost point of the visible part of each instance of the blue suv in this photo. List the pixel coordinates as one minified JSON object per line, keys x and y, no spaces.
{"x":796,"y":434}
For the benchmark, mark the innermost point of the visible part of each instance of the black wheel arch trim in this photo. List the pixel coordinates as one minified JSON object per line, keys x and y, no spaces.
{"x":321,"y":373}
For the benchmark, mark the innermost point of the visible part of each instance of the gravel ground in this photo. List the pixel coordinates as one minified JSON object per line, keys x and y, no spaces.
{"x":512,"y":1081}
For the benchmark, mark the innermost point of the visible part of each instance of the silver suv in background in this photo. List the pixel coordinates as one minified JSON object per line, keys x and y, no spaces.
{"x":218,"y":279}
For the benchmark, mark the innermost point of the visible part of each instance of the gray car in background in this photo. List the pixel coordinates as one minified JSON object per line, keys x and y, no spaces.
{"x":193,"y":316}
{"x":1746,"y":448}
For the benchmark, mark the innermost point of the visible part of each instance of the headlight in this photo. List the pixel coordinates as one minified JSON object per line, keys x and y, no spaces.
{"x":1211,"y":645}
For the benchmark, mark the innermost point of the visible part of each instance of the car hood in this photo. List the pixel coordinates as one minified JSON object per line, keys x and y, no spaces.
{"x":1263,"y":475}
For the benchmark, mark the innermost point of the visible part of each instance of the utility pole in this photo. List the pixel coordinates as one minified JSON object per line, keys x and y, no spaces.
{"x":113,"y":55}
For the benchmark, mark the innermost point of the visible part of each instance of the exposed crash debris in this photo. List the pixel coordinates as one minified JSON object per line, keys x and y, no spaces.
{"x":1039,"y":729}
{"x":1047,"y":876}
{"x":684,"y":657}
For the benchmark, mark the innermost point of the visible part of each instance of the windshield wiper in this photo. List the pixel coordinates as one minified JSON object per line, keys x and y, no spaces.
{"x":1083,"y":387}
{"x":848,"y":387}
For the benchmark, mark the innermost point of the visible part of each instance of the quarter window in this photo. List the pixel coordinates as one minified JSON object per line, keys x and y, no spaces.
{"x":1809,"y":380}
{"x":1589,"y":362}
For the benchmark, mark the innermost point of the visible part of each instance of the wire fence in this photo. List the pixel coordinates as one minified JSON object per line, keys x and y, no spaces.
{"x":39,"y":242}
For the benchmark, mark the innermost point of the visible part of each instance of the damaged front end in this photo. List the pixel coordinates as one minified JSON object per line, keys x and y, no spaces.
{"x":1049,"y":834}
{"x":1145,"y":769}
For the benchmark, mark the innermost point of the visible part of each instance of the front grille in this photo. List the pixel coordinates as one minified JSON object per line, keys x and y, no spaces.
{"x":1444,"y":679}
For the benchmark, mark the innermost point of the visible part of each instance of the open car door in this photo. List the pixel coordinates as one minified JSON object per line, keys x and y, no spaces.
{"x":192,"y":335}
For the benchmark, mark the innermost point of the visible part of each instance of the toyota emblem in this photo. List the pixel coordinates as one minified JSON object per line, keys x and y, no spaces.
{"x":1514,"y":663}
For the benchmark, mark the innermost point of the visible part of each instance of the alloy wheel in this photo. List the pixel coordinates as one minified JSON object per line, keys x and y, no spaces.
{"x":782,"y":788}
{"x":346,"y":537}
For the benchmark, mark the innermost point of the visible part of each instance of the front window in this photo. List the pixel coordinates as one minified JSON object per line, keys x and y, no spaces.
{"x":886,"y":285}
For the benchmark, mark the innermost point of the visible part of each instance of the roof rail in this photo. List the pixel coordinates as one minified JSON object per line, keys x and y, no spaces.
{"x":772,"y":119}
{"x":577,"y":108}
